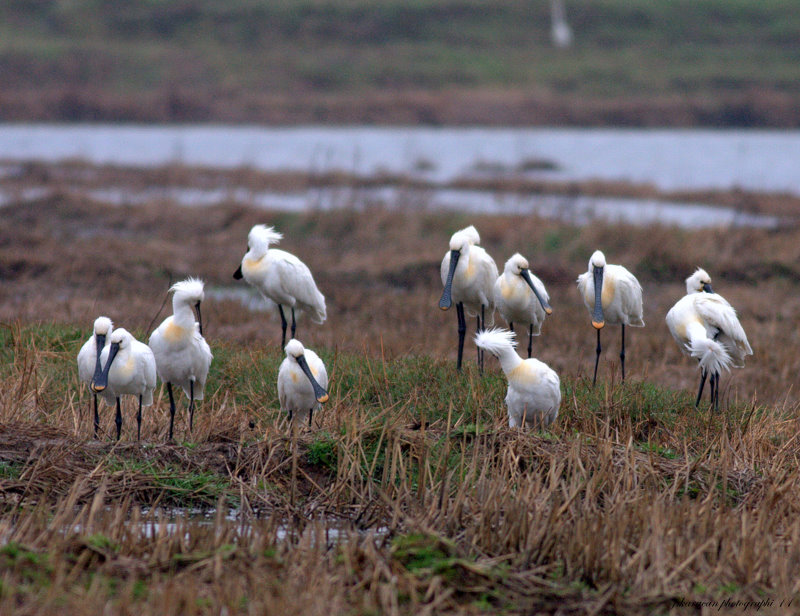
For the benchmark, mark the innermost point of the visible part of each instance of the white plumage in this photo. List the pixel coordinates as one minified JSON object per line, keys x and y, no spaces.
{"x":612,"y":295}
{"x":182,"y":355}
{"x":280,"y":277}
{"x":706,"y":327}
{"x":520,"y":297}
{"x":302,"y":381}
{"x":534,"y":389}
{"x":468,"y":275}
{"x":128,"y":368}
{"x":88,"y":358}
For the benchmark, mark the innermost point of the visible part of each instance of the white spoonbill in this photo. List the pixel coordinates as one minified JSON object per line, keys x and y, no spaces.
{"x":302,"y":381}
{"x":468,"y":276}
{"x":182,"y":354}
{"x":613,"y":295}
{"x":520,"y":297}
{"x":89,"y":358}
{"x":534,"y":389}
{"x":705,"y":326}
{"x":128,"y":368}
{"x":280,"y":277}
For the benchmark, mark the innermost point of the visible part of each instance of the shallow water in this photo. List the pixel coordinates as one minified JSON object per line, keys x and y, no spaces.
{"x":691,"y":159}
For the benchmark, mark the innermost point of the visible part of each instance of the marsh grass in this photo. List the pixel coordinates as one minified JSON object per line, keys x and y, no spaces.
{"x":408,"y":494}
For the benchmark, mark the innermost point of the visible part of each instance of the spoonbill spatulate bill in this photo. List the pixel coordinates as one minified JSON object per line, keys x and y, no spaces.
{"x":613,"y":296}
{"x":534,"y":389}
{"x":280,"y":277}
{"x":706,"y":327}
{"x":520,"y":297}
{"x":182,"y":355}
{"x":89,"y":366}
{"x":128,"y":368}
{"x":468,"y":275}
{"x":302,"y":381}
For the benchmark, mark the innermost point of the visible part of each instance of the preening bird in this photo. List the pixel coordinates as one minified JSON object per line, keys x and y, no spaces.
{"x":280,"y":277}
{"x":706,"y":327}
{"x":534,"y":389}
{"x":468,"y":276}
{"x":89,"y":358}
{"x":183,"y":357}
{"x":612,"y":295}
{"x":520,"y":297}
{"x":302,"y":381}
{"x":128,"y":368}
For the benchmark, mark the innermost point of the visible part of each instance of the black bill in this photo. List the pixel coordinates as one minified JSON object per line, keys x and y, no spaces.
{"x":101,"y":382}
{"x":319,"y":392}
{"x":527,"y":276}
{"x":447,"y":293}
{"x":597,"y":314}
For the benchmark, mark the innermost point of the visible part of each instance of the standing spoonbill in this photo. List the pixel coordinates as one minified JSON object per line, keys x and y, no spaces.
{"x":182,"y":354}
{"x":612,"y":295}
{"x":705,"y":326}
{"x":521,"y":297}
{"x":128,"y":368}
{"x":280,"y":277}
{"x":534,"y":391}
{"x":302,"y":380}
{"x":468,"y":276}
{"x":89,"y":366}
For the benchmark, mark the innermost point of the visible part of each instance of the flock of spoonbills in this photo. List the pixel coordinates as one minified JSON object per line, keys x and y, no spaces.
{"x":113,"y":363}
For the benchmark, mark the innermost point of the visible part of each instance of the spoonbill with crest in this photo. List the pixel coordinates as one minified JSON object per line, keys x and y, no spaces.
{"x":280,"y":277}
{"x":468,"y":275}
{"x":706,"y":327}
{"x":534,"y":389}
{"x":612,"y":295}
{"x":128,"y":368}
{"x":183,"y":357}
{"x":520,"y":297}
{"x":302,"y":381}
{"x":89,"y":358}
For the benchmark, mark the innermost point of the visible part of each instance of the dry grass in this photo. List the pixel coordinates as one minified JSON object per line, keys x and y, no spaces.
{"x":632,"y":503}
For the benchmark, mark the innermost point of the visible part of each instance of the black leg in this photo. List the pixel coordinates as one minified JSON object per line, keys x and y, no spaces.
{"x":703,"y":375}
{"x":96,"y":417}
{"x":530,"y":339}
{"x":715,"y":386}
{"x":294,"y":325}
{"x":283,"y":326}
{"x":290,"y":415}
{"x":481,"y":327}
{"x":118,"y":419}
{"x":171,"y":410}
{"x":139,"y":421}
{"x":622,"y":353}
{"x":191,"y":405}
{"x":511,"y":326}
{"x":597,"y":359}
{"x":477,"y":329}
{"x":462,"y":332}
{"x":310,"y":413}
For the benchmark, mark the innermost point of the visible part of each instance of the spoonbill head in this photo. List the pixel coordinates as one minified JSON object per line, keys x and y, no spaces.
{"x":520,"y":297}
{"x":182,"y":355}
{"x":302,"y":381}
{"x":128,"y":368}
{"x":706,"y":327}
{"x":534,"y":389}
{"x":699,"y":282}
{"x":280,"y":277}
{"x":468,"y":275}
{"x":89,"y":366}
{"x":612,"y":295}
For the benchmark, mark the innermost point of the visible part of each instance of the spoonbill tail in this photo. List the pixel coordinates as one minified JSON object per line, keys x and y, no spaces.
{"x":89,"y":366}
{"x":612,"y":295}
{"x":128,"y":368}
{"x":280,"y":277}
{"x":520,"y":297}
{"x":302,"y":381}
{"x":534,"y":391}
{"x":468,"y":276}
{"x":706,"y":327}
{"x":183,"y":357}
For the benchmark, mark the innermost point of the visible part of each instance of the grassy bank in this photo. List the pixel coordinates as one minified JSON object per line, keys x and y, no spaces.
{"x":409,"y":494}
{"x":718,"y":62}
